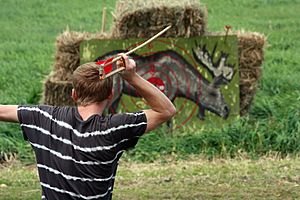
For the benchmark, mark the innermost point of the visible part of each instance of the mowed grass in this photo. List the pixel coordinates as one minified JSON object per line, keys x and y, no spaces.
{"x":195,"y":178}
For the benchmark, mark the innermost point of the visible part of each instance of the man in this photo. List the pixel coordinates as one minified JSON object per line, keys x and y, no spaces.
{"x":77,"y":148}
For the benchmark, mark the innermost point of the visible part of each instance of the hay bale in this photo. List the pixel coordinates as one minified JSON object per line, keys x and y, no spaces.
{"x":67,"y":55}
{"x":57,"y":92}
{"x":58,"y":86}
{"x":251,"y":56}
{"x":66,"y":62}
{"x":139,"y":18}
{"x":69,"y":41}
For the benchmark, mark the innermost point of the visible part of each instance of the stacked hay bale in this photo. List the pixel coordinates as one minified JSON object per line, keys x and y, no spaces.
{"x":251,"y":56}
{"x":139,"y":18}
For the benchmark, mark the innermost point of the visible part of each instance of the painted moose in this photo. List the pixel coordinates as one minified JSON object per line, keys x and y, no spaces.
{"x":176,"y":77}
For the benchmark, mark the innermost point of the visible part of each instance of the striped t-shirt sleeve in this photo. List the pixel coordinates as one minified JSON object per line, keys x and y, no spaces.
{"x":33,"y":116}
{"x":135,"y":125}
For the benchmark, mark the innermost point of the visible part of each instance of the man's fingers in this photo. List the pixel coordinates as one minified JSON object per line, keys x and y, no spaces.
{"x":123,"y":62}
{"x":123,"y":55}
{"x":128,"y":62}
{"x":120,"y":63}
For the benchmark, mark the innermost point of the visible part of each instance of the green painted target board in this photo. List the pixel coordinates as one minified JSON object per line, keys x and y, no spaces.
{"x":200,"y":75}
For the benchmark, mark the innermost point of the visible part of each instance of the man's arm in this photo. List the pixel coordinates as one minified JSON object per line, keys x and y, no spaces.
{"x":8,"y":113}
{"x":162,"y":109}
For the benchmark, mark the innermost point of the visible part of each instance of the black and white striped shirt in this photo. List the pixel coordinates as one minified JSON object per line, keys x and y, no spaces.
{"x":78,"y":159}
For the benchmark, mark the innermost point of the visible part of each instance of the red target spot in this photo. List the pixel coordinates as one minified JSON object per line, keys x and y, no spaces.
{"x":157,"y":82}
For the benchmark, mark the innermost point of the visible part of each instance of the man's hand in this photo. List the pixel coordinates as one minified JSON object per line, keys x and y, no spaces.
{"x":130,"y":67}
{"x":8,"y":113}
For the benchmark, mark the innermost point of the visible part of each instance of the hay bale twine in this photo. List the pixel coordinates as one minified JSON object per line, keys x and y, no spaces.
{"x":251,"y":56}
{"x":139,"y":18}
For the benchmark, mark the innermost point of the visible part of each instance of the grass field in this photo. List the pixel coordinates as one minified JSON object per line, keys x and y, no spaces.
{"x":27,"y":37}
{"x":195,"y":178}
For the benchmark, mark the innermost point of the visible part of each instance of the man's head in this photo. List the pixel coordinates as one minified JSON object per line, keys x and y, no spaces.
{"x":88,"y":88}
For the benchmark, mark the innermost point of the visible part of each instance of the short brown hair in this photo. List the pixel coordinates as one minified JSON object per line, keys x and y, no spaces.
{"x":88,"y":86}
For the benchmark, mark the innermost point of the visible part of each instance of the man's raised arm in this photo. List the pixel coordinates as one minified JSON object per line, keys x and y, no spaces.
{"x":8,"y":113}
{"x":161,"y":108}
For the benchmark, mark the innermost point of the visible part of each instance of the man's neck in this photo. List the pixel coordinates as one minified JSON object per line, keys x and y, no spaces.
{"x":91,"y":109}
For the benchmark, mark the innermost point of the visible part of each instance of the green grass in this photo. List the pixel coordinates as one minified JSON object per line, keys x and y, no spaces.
{"x":195,"y":178}
{"x":29,"y":29}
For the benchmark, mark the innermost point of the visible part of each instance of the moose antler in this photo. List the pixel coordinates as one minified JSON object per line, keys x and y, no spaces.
{"x":220,"y":70}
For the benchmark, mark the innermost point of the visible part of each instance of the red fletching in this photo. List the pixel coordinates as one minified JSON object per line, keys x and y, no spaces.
{"x":100,"y":62}
{"x":107,"y":68}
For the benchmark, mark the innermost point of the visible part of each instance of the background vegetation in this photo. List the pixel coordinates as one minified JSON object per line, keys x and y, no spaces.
{"x":27,"y":36}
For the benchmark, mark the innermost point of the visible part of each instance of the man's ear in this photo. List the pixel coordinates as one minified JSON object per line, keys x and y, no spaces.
{"x":74,"y":95}
{"x":111,"y":95}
